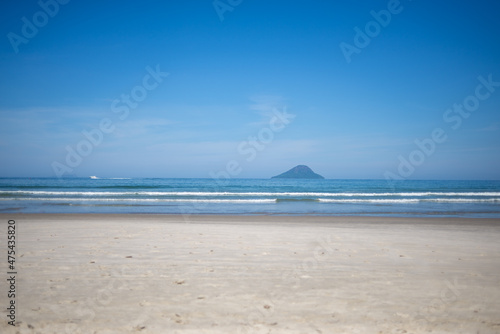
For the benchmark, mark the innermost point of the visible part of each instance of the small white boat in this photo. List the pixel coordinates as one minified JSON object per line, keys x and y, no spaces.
{"x":94,"y":177}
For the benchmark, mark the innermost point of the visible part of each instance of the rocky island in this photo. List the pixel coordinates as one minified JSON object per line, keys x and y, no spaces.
{"x":299,"y":172}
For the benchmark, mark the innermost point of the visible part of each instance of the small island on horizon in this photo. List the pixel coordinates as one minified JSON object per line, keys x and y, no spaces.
{"x":299,"y":172}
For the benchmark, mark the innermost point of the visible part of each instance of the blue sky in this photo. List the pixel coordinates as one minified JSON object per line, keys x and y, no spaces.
{"x":232,"y":68}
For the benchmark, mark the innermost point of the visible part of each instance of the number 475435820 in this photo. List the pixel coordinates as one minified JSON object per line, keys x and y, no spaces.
{"x":11,"y":244}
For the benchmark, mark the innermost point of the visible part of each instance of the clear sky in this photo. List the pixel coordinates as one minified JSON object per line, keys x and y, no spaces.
{"x":250,"y":88}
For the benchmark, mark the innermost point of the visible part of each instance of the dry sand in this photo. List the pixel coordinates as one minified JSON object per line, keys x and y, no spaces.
{"x":252,"y":274}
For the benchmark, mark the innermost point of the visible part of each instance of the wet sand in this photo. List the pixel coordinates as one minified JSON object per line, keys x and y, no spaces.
{"x":252,"y":274}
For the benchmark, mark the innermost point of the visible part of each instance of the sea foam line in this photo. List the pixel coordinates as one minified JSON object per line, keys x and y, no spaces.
{"x":413,"y":200}
{"x":192,"y":200}
{"x":265,"y":194}
{"x":259,"y":200}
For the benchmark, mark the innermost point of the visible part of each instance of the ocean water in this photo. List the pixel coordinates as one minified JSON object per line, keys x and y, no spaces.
{"x":251,"y":196}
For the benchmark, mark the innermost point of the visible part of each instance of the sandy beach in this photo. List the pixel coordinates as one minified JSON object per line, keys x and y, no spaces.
{"x":87,"y":273}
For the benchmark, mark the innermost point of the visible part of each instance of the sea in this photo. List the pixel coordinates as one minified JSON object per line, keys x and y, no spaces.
{"x":412,"y":198}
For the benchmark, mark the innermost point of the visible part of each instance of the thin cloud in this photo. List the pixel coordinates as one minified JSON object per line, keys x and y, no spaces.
{"x":491,"y":128}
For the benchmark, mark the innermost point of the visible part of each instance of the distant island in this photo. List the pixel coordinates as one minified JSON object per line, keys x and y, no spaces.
{"x":299,"y":172}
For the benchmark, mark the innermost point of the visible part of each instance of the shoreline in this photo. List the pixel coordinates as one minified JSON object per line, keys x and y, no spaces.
{"x":120,"y":273}
{"x":253,"y":197}
{"x":222,"y":218}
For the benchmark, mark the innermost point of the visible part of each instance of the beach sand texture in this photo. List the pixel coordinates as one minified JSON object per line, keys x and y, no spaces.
{"x":253,"y":274}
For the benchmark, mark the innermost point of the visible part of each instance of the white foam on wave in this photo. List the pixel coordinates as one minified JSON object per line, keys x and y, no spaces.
{"x":413,"y":200}
{"x":407,"y":200}
{"x":192,"y":200}
{"x":463,"y":200}
{"x":258,"y":200}
{"x":260,"y":194}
